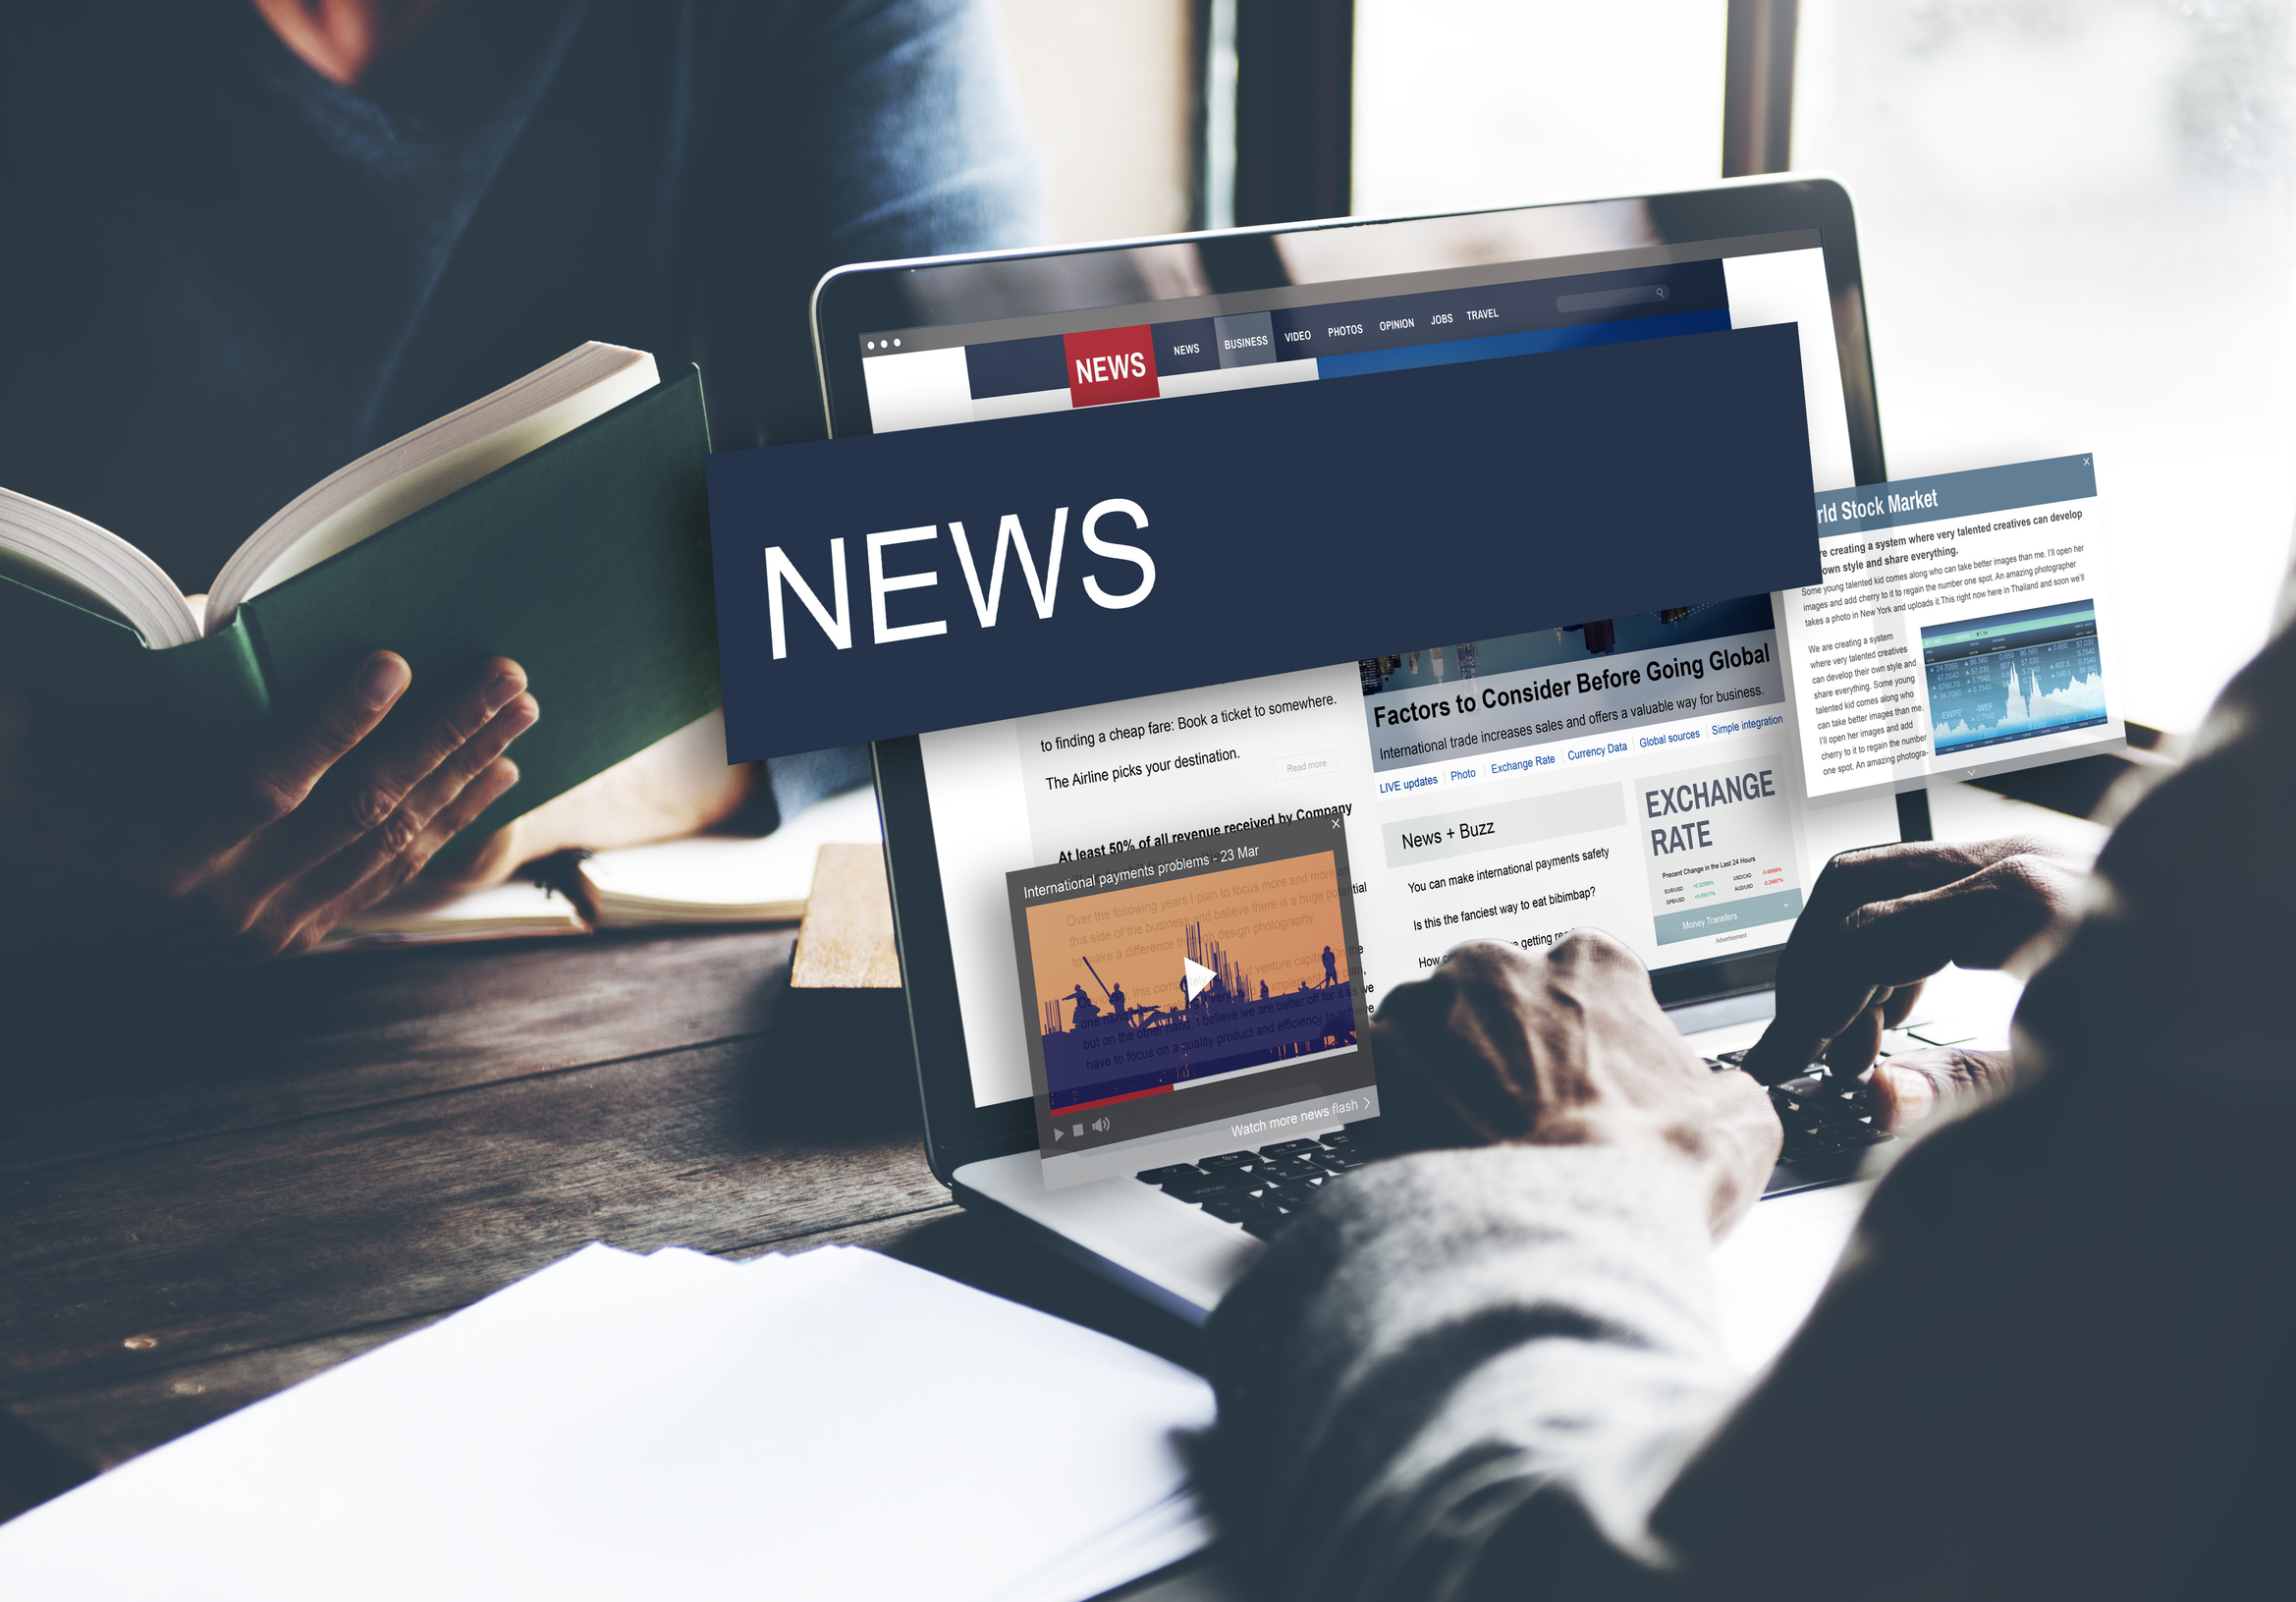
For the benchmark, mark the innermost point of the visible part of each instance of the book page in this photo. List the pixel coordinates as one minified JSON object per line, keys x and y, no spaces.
{"x":423,"y":914}
{"x":401,"y":479}
{"x":717,"y":878}
{"x":93,"y":568}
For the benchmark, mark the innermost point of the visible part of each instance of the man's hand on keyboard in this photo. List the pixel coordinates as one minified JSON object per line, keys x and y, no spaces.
{"x":1881,"y":922}
{"x":1565,"y":1049}
{"x":1913,"y":1088}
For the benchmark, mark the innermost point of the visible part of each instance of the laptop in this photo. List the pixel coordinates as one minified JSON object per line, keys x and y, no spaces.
{"x":1137,"y":987}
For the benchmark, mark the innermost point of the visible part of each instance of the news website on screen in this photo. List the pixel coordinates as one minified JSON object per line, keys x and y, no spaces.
{"x":1648,"y":775}
{"x":1638,"y":774}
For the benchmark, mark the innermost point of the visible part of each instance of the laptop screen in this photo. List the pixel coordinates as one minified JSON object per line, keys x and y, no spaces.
{"x":1502,"y":788}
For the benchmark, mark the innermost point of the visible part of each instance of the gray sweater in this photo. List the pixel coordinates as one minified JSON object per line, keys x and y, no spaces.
{"x":2058,"y":1357}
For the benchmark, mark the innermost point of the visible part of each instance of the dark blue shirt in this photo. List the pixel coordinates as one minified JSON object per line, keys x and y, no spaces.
{"x":222,"y":275}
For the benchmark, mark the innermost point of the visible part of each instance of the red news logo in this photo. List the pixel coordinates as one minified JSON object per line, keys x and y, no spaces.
{"x":1109,"y":369}
{"x":1110,"y":364}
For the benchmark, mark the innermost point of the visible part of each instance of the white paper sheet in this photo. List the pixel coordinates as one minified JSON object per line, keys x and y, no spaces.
{"x":835,"y":1425}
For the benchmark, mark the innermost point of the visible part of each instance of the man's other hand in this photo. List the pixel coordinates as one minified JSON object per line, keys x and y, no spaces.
{"x":1567,"y":1049}
{"x":1881,"y":922}
{"x":339,"y":810}
{"x":674,"y":787}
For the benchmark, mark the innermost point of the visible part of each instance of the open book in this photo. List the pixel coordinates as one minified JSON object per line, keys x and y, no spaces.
{"x":93,"y":567}
{"x":422,"y":914}
{"x":719,"y":879}
{"x":707,"y":879}
{"x":561,"y":521}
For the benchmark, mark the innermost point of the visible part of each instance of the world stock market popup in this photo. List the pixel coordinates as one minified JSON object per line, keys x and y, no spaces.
{"x":1965,"y":628}
{"x":1190,"y":984}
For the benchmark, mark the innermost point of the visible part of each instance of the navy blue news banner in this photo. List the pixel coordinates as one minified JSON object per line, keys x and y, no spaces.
{"x":1255,"y":531}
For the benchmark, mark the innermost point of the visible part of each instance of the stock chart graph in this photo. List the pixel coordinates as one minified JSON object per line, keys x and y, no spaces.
{"x":2013,"y":675}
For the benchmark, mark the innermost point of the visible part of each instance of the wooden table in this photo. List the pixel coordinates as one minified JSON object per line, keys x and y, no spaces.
{"x":207,"y":1198}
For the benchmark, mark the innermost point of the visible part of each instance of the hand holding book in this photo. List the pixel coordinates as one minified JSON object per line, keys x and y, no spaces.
{"x":559,"y":522}
{"x":671,"y":789}
{"x":324,"y":818}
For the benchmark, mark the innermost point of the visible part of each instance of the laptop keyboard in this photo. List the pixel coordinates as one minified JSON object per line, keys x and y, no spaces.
{"x":1828,"y":1133}
{"x":1824,"y":1115}
{"x":1258,"y":1190}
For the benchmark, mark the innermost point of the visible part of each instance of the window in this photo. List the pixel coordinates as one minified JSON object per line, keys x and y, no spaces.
{"x":2077,"y":236}
{"x":1108,"y":89}
{"x":1493,"y":102}
{"x":2076,"y":218}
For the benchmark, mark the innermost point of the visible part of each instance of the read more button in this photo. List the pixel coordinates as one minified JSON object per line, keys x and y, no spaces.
{"x":1305,"y":765}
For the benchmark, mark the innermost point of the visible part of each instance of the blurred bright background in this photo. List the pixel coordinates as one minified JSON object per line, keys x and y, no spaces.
{"x":1491,"y":103}
{"x":2077,"y":230}
{"x":2078,"y":220}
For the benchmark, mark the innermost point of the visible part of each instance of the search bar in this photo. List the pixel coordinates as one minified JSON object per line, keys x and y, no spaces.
{"x":1602,"y":299}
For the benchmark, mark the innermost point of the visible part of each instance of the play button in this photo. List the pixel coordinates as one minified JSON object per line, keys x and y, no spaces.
{"x":1198,"y":976}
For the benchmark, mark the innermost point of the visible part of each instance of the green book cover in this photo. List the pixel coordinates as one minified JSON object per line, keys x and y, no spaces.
{"x":586,"y":561}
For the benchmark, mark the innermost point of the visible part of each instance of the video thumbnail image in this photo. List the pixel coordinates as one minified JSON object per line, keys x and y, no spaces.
{"x":2013,"y":675}
{"x":1144,"y":988}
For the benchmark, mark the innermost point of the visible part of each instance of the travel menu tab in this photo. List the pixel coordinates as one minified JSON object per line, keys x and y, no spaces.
{"x":1690,"y":295}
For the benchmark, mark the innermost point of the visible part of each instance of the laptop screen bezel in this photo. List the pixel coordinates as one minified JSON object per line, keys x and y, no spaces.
{"x":1011,"y":284}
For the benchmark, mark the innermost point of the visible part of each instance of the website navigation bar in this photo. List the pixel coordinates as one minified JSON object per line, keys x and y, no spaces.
{"x":1123,"y":364}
